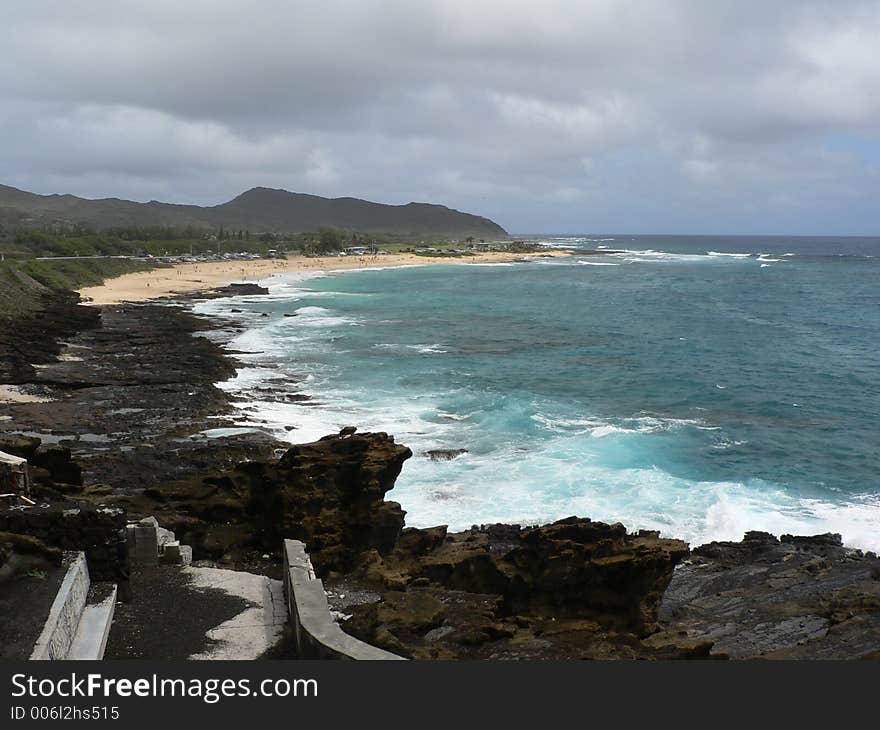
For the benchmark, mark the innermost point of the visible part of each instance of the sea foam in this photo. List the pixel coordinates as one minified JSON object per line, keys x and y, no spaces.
{"x":579,"y":402}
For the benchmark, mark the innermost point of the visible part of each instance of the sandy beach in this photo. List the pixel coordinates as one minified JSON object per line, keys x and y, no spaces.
{"x":194,"y":277}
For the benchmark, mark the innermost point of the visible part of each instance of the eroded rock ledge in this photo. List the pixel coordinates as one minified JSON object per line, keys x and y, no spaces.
{"x":569,"y":589}
{"x":329,"y":494}
{"x":786,"y":598}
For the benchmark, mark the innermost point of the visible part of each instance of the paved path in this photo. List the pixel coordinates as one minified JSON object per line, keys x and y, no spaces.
{"x":254,"y":631}
{"x":198,"y":613}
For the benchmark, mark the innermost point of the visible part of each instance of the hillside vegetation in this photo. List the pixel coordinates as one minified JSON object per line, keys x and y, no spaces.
{"x":26,"y":285}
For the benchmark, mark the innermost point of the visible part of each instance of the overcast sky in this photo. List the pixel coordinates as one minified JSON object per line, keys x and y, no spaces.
{"x":553,"y":116}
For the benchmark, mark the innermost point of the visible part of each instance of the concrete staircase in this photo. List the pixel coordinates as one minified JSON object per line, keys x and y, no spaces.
{"x":80,"y":617}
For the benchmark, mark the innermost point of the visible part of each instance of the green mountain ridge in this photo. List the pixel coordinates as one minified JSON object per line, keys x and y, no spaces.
{"x":258,"y":210}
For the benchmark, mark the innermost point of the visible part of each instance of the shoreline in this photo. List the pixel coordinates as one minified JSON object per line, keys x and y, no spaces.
{"x":136,"y":427}
{"x":190,"y":278}
{"x":266,"y":392}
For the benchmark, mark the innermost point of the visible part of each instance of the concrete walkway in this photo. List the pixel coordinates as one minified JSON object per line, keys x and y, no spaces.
{"x":182,"y":613}
{"x":255,"y":630}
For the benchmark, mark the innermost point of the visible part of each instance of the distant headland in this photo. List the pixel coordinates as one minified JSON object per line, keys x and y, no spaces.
{"x":258,"y":210}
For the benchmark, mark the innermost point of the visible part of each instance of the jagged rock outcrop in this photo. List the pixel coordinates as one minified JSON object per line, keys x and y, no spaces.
{"x":444,"y":454}
{"x":235,"y":289}
{"x":503,"y":586}
{"x":572,"y":567}
{"x":582,"y":589}
{"x":786,"y":598}
{"x":329,"y":494}
{"x":579,"y":567}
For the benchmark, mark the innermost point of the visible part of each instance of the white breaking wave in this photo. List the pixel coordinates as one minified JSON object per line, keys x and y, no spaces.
{"x":435,"y":349}
{"x":651,"y":256}
{"x":503,"y":486}
{"x":455,"y":416}
{"x":429,"y":349}
{"x":599,"y":428}
{"x":560,"y":470}
{"x":312,"y":316}
{"x":567,"y":424}
{"x":602,"y":431}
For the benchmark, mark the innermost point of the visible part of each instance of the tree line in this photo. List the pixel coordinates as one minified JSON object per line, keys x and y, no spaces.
{"x":84,"y":240}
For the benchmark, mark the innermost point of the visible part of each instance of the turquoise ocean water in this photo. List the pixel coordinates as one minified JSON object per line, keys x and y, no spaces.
{"x":702,"y":386}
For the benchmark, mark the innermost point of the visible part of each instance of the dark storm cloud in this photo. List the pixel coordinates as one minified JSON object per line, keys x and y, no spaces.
{"x":680,"y":115}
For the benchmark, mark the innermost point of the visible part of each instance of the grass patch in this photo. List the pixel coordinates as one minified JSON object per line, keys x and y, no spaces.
{"x":25,"y":284}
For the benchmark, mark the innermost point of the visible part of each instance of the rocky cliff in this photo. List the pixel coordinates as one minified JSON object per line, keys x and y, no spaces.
{"x":329,"y":494}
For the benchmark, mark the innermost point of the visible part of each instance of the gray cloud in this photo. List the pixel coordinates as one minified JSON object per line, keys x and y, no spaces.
{"x":678,"y":115}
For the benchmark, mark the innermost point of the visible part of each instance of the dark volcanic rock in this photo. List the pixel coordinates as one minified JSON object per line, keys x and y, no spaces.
{"x":574,"y":588}
{"x":418,"y":542}
{"x":34,"y":339}
{"x":56,"y":460}
{"x":573,"y":567}
{"x":796,"y":597}
{"x":581,"y":567}
{"x":128,"y":392}
{"x":233,"y":290}
{"x":125,"y":380}
{"x":444,"y":454}
{"x":330,"y":494}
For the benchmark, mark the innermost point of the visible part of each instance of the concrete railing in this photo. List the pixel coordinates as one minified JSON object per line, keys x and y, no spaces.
{"x":317,"y":634}
{"x":60,"y":628}
{"x":75,"y":628}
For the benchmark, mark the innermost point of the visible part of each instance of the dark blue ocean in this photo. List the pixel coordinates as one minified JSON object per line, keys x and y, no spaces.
{"x":702,"y":386}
